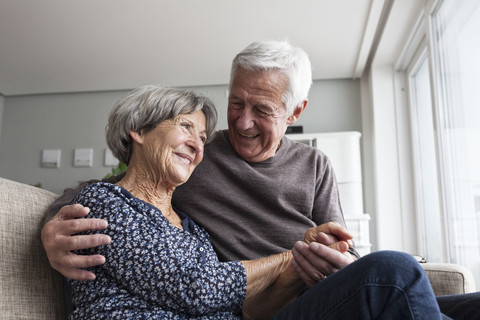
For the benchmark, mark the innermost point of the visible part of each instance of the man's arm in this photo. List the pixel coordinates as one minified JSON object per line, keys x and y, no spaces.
{"x":60,"y":224}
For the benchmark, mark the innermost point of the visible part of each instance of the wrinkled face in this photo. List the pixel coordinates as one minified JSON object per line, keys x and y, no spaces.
{"x":256,"y":114}
{"x":175,"y":147}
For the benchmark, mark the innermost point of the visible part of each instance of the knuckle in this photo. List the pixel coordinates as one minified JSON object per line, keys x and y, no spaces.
{"x":73,"y":243}
{"x":331,"y":224}
{"x":76,"y":225}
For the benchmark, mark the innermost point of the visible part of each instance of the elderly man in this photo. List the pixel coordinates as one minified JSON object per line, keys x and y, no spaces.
{"x":256,"y":192}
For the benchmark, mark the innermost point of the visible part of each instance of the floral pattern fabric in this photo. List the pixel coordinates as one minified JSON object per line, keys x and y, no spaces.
{"x":153,"y":270}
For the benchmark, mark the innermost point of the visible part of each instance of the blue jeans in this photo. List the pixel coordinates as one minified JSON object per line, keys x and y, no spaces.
{"x":381,"y":285}
{"x":461,"y":306}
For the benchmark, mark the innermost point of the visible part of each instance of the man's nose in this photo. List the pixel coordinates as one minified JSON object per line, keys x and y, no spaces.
{"x":246,"y":119}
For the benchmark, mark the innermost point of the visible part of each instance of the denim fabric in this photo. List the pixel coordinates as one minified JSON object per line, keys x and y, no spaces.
{"x":381,"y":285}
{"x":461,"y":306}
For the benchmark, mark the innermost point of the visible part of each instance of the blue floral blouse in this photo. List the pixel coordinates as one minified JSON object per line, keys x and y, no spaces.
{"x":153,"y":270}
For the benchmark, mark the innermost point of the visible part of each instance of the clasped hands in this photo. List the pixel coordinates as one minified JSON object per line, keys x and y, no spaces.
{"x":323,"y":251}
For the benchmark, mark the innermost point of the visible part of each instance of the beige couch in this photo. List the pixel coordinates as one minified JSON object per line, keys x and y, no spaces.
{"x":31,"y":289}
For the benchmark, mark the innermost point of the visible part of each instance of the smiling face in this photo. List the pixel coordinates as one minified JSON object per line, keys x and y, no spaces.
{"x":174,"y":148}
{"x":257,"y":117}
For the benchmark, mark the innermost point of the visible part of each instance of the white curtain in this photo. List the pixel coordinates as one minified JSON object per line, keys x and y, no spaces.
{"x":456,"y":65}
{"x":444,"y":91}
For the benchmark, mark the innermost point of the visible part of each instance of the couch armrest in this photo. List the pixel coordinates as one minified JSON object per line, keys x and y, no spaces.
{"x":29,"y":287}
{"x":449,"y":278}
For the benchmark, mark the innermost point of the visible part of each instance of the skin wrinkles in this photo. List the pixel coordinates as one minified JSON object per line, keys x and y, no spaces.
{"x":167,"y":155}
{"x":257,"y":117}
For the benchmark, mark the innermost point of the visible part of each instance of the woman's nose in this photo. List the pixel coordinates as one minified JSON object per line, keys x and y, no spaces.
{"x":197,"y":143}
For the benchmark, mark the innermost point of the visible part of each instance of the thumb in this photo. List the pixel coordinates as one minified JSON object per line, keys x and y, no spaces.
{"x":340,"y":246}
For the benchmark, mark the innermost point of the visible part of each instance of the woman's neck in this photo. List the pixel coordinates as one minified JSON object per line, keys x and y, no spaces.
{"x":143,"y":186}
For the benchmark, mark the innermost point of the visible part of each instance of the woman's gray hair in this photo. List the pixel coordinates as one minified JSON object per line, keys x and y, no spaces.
{"x":267,"y":56}
{"x":143,"y":108}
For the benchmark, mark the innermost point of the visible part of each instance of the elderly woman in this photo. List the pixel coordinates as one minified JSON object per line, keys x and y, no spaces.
{"x":160,"y":264}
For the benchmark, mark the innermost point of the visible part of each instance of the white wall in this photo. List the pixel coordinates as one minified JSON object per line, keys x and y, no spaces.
{"x":387,"y":198}
{"x":77,"y":120}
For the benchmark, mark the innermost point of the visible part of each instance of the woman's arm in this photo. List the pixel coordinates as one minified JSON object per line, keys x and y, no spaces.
{"x":272,"y":283}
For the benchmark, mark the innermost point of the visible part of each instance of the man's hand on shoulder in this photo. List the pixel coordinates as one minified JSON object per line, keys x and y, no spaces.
{"x":58,"y":242}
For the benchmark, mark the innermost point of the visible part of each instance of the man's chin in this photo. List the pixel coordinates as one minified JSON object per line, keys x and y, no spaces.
{"x":244,"y":152}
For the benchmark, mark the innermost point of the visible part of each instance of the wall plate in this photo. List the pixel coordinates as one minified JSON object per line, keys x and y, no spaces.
{"x":83,"y":157}
{"x":51,"y":158}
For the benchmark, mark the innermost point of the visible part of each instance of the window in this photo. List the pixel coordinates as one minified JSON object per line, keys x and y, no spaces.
{"x":426,"y":170}
{"x":446,"y":135}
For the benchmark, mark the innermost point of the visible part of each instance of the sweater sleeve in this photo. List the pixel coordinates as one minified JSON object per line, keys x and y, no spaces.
{"x":327,"y":205}
{"x":161,"y":264}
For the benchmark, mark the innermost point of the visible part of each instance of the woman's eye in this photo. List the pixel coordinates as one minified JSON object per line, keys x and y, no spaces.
{"x":185,"y":125}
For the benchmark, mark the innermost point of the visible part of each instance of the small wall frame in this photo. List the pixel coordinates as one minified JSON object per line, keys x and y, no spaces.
{"x":110,"y":160}
{"x":83,"y":157}
{"x":51,"y":158}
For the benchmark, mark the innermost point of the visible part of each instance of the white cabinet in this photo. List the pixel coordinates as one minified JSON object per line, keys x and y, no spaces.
{"x":343,"y":150}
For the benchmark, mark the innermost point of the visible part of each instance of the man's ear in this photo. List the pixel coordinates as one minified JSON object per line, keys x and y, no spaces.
{"x":297,"y":112}
{"x":137,"y":137}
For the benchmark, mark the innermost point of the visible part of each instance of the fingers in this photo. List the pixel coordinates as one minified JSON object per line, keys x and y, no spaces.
{"x":73,"y":262}
{"x":316,"y":258}
{"x":333,"y":230}
{"x":328,"y":240}
{"x":315,"y":261}
{"x":340,"y":246}
{"x":325,"y":239}
{"x":309,"y":271}
{"x":334,"y":258}
{"x":58,"y":242}
{"x":73,"y":226}
{"x":72,"y":211}
{"x":79,"y":262}
{"x":80,"y":242}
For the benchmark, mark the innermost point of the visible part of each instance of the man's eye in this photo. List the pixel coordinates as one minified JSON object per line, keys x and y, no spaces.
{"x":185,"y":125}
{"x":262,"y":113}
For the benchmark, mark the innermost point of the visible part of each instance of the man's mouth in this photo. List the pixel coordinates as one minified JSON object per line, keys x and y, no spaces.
{"x":248,"y":136}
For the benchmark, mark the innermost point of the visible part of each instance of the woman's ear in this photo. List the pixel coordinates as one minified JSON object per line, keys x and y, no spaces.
{"x":297,"y":112}
{"x":137,"y":137}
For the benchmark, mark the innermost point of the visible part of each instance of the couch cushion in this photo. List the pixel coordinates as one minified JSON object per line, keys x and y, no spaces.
{"x":449,"y":278}
{"x":30,"y":288}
